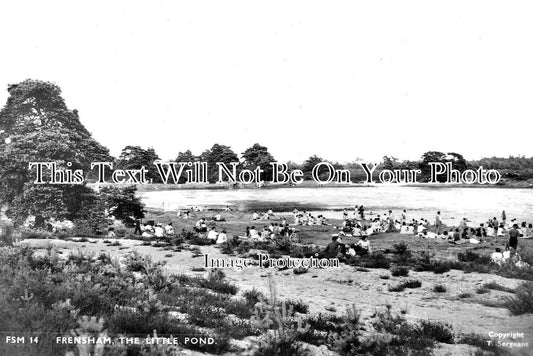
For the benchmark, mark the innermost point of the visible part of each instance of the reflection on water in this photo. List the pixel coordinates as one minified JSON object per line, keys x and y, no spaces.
{"x":477,"y":204}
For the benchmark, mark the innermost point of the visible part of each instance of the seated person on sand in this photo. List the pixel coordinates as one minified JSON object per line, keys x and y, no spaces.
{"x":201,"y":226}
{"x":265,"y":234}
{"x":501,"y":231}
{"x":490,"y":231}
{"x":456,"y":235}
{"x":445,"y":235}
{"x":497,"y":256}
{"x":369,"y":231}
{"x":526,"y":231}
{"x":481,"y":231}
{"x":222,"y":237}
{"x":428,"y":234}
{"x":212,"y":235}
{"x":169,"y":229}
{"x":158,"y":231}
{"x":362,"y":247}
{"x":529,"y":232}
{"x":332,"y":249}
{"x":147,"y":231}
{"x":270,"y":212}
{"x":227,"y":208}
{"x":397,"y":225}
{"x":404,"y":229}
{"x":506,"y":253}
{"x":271,"y":227}
{"x":420,"y":228}
{"x":517,"y":261}
{"x":253,"y":234}
{"x":218,"y":217}
{"x":255,"y":216}
{"x":111,"y":232}
{"x":356,"y":231}
{"x":473,"y":240}
{"x":148,"y":227}
{"x":265,"y":216}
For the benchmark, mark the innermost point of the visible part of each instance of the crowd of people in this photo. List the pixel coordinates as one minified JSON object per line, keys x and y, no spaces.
{"x":357,"y":224}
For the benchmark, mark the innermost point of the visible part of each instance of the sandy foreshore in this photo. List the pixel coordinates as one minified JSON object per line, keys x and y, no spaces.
{"x":332,"y":290}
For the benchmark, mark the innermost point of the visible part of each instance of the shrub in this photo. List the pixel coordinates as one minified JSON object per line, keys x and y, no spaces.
{"x":216,"y":281}
{"x":6,"y":233}
{"x":400,"y":271}
{"x":475,"y":340}
{"x":436,"y":331}
{"x":226,"y":248}
{"x":470,"y":256}
{"x":482,"y":290}
{"x":402,"y":250}
{"x":439,"y":288}
{"x":413,"y":283}
{"x":397,"y":288}
{"x":406,"y":338}
{"x":495,"y":286}
{"x":281,"y":337}
{"x":376,"y":260}
{"x":465,"y":295}
{"x":298,"y":306}
{"x":253,"y":296}
{"x":522,"y":302}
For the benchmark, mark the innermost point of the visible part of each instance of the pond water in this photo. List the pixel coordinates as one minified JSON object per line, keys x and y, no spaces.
{"x":477,"y":204}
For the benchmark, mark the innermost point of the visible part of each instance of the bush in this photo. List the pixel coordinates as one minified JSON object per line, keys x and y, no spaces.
{"x":298,"y":306}
{"x":522,"y":302}
{"x":413,"y":283}
{"x":439,"y":288}
{"x":400,"y":272}
{"x":397,"y":288}
{"x":407,"y":339}
{"x":436,"y":331}
{"x":6,"y":233}
{"x":470,"y":256}
{"x":253,"y":296}
{"x":402,"y":250}
{"x":482,"y":290}
{"x":475,"y":340}
{"x":376,"y":260}
{"x":495,"y":286}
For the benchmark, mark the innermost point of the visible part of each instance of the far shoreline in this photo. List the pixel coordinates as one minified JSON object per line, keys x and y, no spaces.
{"x":312,"y":184}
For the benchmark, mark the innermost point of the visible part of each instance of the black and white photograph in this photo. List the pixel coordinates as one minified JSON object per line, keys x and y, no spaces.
{"x":261,"y":178}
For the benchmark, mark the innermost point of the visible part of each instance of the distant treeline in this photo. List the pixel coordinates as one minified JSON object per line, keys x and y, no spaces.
{"x":511,"y":168}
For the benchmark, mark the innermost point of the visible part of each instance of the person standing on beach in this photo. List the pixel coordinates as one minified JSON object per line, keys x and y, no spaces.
{"x":513,"y":237}
{"x":438,"y":222}
{"x":504,"y":217}
{"x":137,"y":227}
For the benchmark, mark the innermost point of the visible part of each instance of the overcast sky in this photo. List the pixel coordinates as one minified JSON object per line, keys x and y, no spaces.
{"x":340,"y":79}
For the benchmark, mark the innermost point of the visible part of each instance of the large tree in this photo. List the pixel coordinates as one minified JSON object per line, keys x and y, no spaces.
{"x":217,"y":153}
{"x":258,"y":156}
{"x":186,"y":156}
{"x":37,"y":126}
{"x":135,"y":157}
